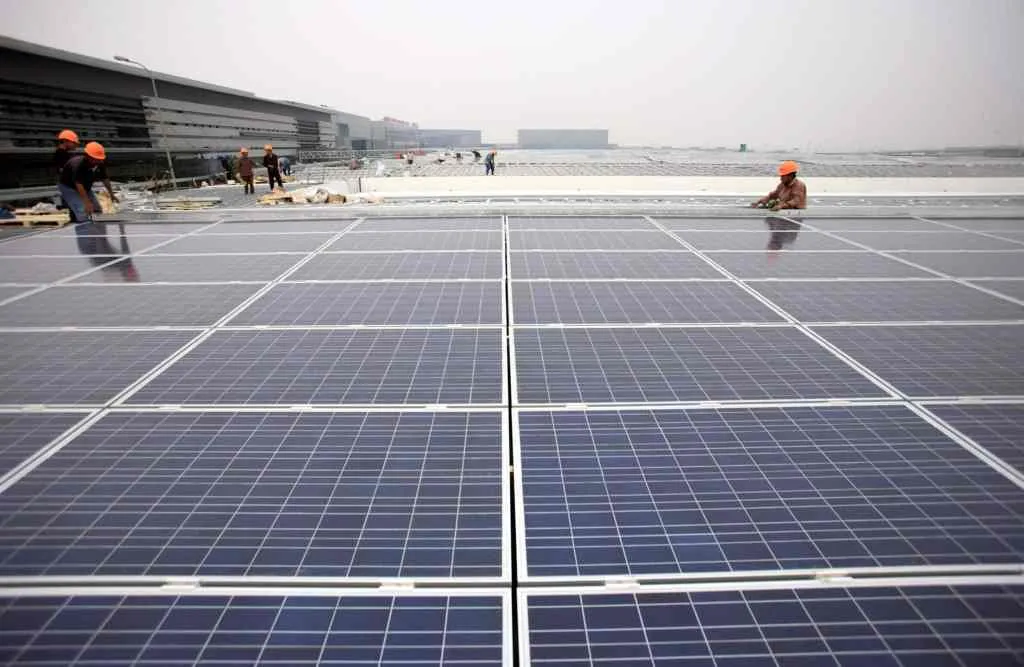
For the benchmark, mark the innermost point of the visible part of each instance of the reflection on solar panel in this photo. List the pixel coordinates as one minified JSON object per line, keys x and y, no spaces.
{"x":947,"y":360}
{"x":26,"y":434}
{"x":882,"y":626}
{"x":759,"y":240}
{"x":402,"y":266}
{"x":160,"y":629}
{"x":610,"y":265}
{"x":997,"y":428}
{"x":609,"y":493}
{"x":351,"y":494}
{"x":635,"y":303}
{"x":48,"y":244}
{"x":194,"y":268}
{"x":405,"y":304}
{"x":668,"y":365}
{"x":335,"y":367}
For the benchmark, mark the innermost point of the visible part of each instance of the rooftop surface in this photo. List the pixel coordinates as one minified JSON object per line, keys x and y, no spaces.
{"x":623,"y":436}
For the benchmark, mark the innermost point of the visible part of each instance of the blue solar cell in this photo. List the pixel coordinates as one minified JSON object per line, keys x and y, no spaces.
{"x":319,"y":494}
{"x":609,"y":265}
{"x":997,"y":428}
{"x":26,"y":434}
{"x":248,"y":630}
{"x":402,"y":266}
{"x":516,"y":223}
{"x":785,"y":264}
{"x":391,"y":303}
{"x":668,"y":492}
{"x":855,"y":627}
{"x":972,"y":264}
{"x":684,"y":364}
{"x":401,"y":366}
{"x":428,"y":224}
{"x":592,"y":240}
{"x":244,"y":243}
{"x":430,"y":240}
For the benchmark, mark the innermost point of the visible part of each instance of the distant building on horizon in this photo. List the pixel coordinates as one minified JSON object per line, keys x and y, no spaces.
{"x":453,"y":138}
{"x":563,"y":139}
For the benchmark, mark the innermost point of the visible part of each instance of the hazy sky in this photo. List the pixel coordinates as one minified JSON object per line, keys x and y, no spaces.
{"x":818,"y":74}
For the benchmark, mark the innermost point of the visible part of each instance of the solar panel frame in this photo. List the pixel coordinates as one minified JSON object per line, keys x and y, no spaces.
{"x":802,"y":240}
{"x":47,"y":245}
{"x":30,"y":270}
{"x":486,"y":240}
{"x":680,"y":224}
{"x":1011,"y":288}
{"x":610,"y":265}
{"x":997,"y":427}
{"x":26,"y":434}
{"x":414,"y":224}
{"x":244,"y":244}
{"x":308,"y":226}
{"x":438,"y":265}
{"x":206,"y":267}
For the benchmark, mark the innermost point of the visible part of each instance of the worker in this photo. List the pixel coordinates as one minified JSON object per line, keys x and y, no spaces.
{"x":245,"y":168}
{"x":67,"y":144}
{"x":476,"y":155}
{"x":77,"y":178}
{"x":286,"y":165}
{"x":273,"y":165}
{"x":791,"y":192}
{"x":489,"y":162}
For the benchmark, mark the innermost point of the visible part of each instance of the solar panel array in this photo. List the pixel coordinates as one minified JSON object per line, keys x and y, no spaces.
{"x":573,"y":440}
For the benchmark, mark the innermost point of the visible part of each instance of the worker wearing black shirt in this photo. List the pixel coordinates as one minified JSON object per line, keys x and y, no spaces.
{"x":77,"y":178}
{"x":67,"y":143}
{"x":271,"y":162}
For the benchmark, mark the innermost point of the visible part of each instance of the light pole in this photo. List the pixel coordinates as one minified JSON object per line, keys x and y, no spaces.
{"x":163,"y":130}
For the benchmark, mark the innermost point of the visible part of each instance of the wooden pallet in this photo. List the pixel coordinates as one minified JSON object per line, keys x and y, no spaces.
{"x":27,"y":219}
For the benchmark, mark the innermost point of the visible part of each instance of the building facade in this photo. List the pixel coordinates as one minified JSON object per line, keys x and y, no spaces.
{"x":563,"y":139}
{"x":452,"y":138}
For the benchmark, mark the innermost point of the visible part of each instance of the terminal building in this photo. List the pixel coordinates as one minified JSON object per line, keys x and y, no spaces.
{"x":452,"y":138}
{"x":563,"y":139}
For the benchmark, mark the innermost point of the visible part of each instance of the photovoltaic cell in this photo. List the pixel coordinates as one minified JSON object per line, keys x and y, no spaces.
{"x":244,"y":243}
{"x":881,"y":301}
{"x":635,"y":303}
{"x":787,"y":264}
{"x":924,"y":361}
{"x":1011,"y":288}
{"x":194,"y":268}
{"x":34,"y":270}
{"x":437,"y":240}
{"x":342,"y":495}
{"x":248,"y":630}
{"x":26,"y":434}
{"x":963,"y":626}
{"x":68,"y":367}
{"x":373,"y":366}
{"x":873,"y":224}
{"x":47,"y":244}
{"x":428,"y":224}
{"x":305,"y":226}
{"x":578,"y":222}
{"x":687,"y":364}
{"x":6,"y":292}
{"x":391,"y":303}
{"x":715,"y":224}
{"x":670,"y":492}
{"x":986,"y":224}
{"x":760,"y":239}
{"x":402,"y":266}
{"x":997,"y":428}
{"x":971,"y":264}
{"x":126,"y":305}
{"x":592,"y":240}
{"x":937,"y":240}
{"x":653,"y":265}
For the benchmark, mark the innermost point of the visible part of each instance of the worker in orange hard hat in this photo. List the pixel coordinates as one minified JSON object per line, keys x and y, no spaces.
{"x":245,"y":170}
{"x":67,"y":144}
{"x":77,"y":178}
{"x":791,"y":192}
{"x":273,"y":165}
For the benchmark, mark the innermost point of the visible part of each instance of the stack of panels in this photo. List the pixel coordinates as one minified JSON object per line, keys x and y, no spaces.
{"x":299,"y":410}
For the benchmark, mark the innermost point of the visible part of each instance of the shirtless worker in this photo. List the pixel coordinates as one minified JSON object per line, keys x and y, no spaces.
{"x":791,"y":192}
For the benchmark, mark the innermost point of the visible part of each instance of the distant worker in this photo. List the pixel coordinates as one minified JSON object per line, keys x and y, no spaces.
{"x":791,"y":193}
{"x":225,"y":164}
{"x":286,"y":165}
{"x":489,"y":162}
{"x":245,"y":171}
{"x":409,"y":158}
{"x":271,"y":162}
{"x":67,"y":144}
{"x":476,"y":155}
{"x":77,"y":178}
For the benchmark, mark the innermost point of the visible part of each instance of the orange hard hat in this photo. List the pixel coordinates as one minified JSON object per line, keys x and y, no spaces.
{"x":268,"y":147}
{"x":95,"y":151}
{"x":788,"y":167}
{"x":68,"y":135}
{"x":243,"y":150}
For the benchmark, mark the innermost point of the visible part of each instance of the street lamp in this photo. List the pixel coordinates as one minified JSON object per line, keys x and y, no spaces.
{"x":163,"y":130}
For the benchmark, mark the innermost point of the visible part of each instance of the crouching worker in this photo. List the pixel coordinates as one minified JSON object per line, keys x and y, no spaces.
{"x":77,"y":178}
{"x":791,"y":192}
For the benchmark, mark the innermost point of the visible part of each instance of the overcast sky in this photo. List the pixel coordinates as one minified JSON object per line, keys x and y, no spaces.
{"x":813,"y":74}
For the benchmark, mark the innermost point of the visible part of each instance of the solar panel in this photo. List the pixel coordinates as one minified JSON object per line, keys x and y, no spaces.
{"x":391,"y":303}
{"x":678,"y":491}
{"x":362,"y":367}
{"x":684,"y":364}
{"x":973,"y":264}
{"x":937,"y":240}
{"x":439,"y":240}
{"x":193,"y":268}
{"x":985,"y":224}
{"x":126,"y":305}
{"x":132,"y":229}
{"x":592,"y":240}
{"x":938,"y":360}
{"x":579,"y":222}
{"x":997,"y":428}
{"x":6,"y":292}
{"x":329,"y":494}
{"x":761,"y":240}
{"x":609,"y":265}
{"x":218,"y":629}
{"x":907,"y":224}
{"x":881,"y":301}
{"x":635,"y":303}
{"x":428,"y":224}
{"x":1011,"y":288}
{"x":813,"y":265}
{"x":887,"y":626}
{"x":26,"y":434}
{"x":244,"y":243}
{"x":751,"y":224}
{"x":304,"y":226}
{"x":47,"y":244}
{"x":34,"y":270}
{"x":69,"y":367}
{"x":403,"y":266}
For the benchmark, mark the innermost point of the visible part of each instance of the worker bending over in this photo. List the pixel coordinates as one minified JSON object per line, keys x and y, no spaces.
{"x":245,"y":169}
{"x":77,"y":178}
{"x":273,"y":165}
{"x":67,"y":144}
{"x":791,"y":192}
